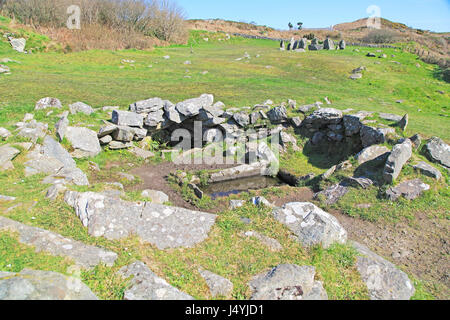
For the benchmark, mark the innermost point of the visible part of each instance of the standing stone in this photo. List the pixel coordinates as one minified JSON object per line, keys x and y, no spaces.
{"x":383,"y":280}
{"x":400,"y":154}
{"x":48,"y":102}
{"x":403,"y":124}
{"x":282,"y":45}
{"x":42,"y":285}
{"x":218,"y":286}
{"x":311,"y":224}
{"x":61,"y":127}
{"x":295,"y":46}
{"x":303,"y":43}
{"x":437,"y":151}
{"x":342,"y":45}
{"x":288,"y":282}
{"x":146,"y":285}
{"x":416,"y":141}
{"x":328,"y":44}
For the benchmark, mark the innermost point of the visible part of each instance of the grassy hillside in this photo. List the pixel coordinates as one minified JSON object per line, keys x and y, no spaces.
{"x":100,"y":78}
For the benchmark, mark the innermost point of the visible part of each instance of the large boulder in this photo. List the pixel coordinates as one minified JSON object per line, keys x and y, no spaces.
{"x":163,"y":226}
{"x":288,"y":282}
{"x":383,"y":280}
{"x":323,"y":117}
{"x":400,"y":154}
{"x":410,"y":190}
{"x":311,"y":224}
{"x":18,"y":44}
{"x":125,"y":118}
{"x":428,"y":170}
{"x":42,"y":285}
{"x":146,"y":285}
{"x":48,"y":102}
{"x":328,"y":44}
{"x":278,"y":115}
{"x":84,"y":141}
{"x":438,"y":151}
{"x":242,"y":119}
{"x":342,"y":45}
{"x":146,"y":106}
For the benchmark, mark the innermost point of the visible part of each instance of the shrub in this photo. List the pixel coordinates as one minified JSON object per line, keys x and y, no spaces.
{"x":156,"y":18}
{"x":310,"y":36}
{"x":380,"y":36}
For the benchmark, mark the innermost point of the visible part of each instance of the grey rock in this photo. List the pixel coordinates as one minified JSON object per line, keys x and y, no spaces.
{"x":403,"y":123}
{"x":163,"y":226}
{"x":428,"y":170}
{"x":54,"y":191}
{"x":437,"y":151}
{"x":105,"y":140}
{"x":141,"y":153}
{"x":107,"y":129}
{"x":277,"y":115}
{"x":307,"y":108}
{"x":146,"y":106}
{"x":192,"y":107}
{"x":83,"y":255}
{"x":371,"y":135}
{"x":261,"y":201}
{"x":390,"y":117}
{"x":356,"y":76}
{"x":81,"y":107}
{"x":399,"y":156}
{"x":117,"y":145}
{"x":154,"y":119}
{"x":375,"y":152}
{"x":7,"y":154}
{"x":332,"y":194}
{"x":61,"y":127}
{"x":53,"y":149}
{"x":43,"y":285}
{"x":155,"y":196}
{"x":48,"y":102}
{"x":242,"y":119}
{"x":315,"y":47}
{"x":360,"y":182}
{"x":352,"y":125}
{"x":125,"y":118}
{"x":146,"y":285}
{"x":4,"y":69}
{"x":287,"y":282}
{"x":311,"y":224}
{"x":84,"y":140}
{"x":383,"y":280}
{"x":324,"y":116}
{"x":303,"y":43}
{"x":4,"y":133}
{"x":218,"y":286}
{"x":123,"y":134}
{"x":328,"y":44}
{"x":296,"y":122}
{"x":234,"y":204}
{"x":18,"y":44}
{"x":342,"y":45}
{"x":371,"y":55}
{"x":33,"y":130}
{"x":271,"y":243}
{"x":416,"y":141}
{"x":212,"y":135}
{"x":410,"y":190}
{"x":171,"y":114}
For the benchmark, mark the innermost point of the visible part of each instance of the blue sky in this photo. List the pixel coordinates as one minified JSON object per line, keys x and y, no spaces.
{"x":423,"y":14}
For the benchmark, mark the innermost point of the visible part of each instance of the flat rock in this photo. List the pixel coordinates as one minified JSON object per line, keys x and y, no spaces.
{"x":18,"y":44}
{"x":48,"y":102}
{"x":333,"y":194}
{"x":84,"y":255}
{"x":311,"y":224}
{"x":438,"y":151}
{"x":192,"y":107}
{"x":390,"y":117}
{"x":155,"y":196}
{"x":371,"y":135}
{"x":384,"y":281}
{"x":33,"y":130}
{"x":81,"y":107}
{"x":399,"y":156}
{"x":163,"y":226}
{"x":146,"y":285}
{"x":410,"y":190}
{"x":271,"y":243}
{"x":428,"y":170}
{"x":218,"y":286}
{"x":42,"y":285}
{"x":374,"y":152}
{"x":287,"y":282}
{"x":141,"y":153}
{"x":146,"y":106}
{"x":125,"y":118}
{"x":84,"y":140}
{"x":7,"y":154}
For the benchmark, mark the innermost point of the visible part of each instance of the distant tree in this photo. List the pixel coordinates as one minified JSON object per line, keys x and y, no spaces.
{"x":300,"y":25}
{"x":291,"y":26}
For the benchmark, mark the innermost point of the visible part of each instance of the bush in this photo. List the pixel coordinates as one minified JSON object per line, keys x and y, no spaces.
{"x":310,"y":36}
{"x":157,"y":18}
{"x":380,"y":36}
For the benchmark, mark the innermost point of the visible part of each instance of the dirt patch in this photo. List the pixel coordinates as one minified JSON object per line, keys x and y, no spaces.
{"x":420,"y":248}
{"x":156,"y":177}
{"x":293,"y":195}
